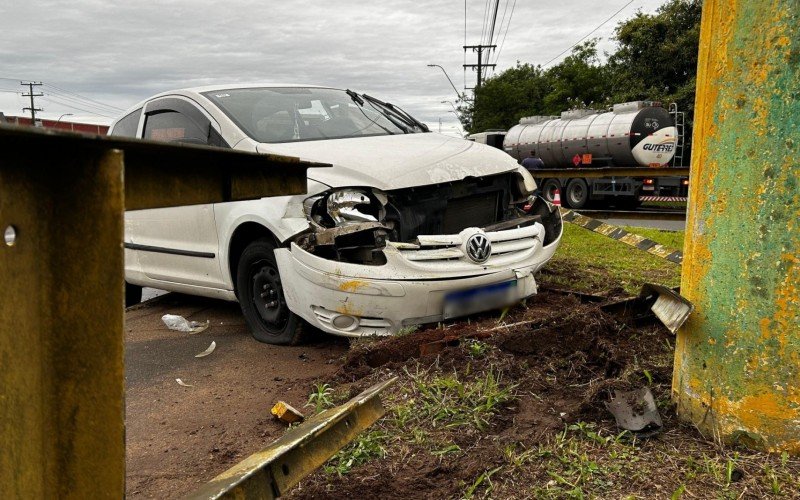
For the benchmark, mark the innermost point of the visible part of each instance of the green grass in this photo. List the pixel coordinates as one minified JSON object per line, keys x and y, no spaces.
{"x":672,"y":239}
{"x":590,"y":262}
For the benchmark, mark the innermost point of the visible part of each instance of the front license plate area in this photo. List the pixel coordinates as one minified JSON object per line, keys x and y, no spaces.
{"x":474,"y":300}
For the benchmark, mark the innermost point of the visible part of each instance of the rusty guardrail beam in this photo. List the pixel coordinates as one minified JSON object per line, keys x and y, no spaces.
{"x":62,"y":200}
{"x":611,"y":172}
{"x":737,"y":359}
{"x":272,"y":471}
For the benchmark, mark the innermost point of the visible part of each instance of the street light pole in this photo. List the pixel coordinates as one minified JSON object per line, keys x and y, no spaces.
{"x":448,"y":78}
{"x":62,"y":116}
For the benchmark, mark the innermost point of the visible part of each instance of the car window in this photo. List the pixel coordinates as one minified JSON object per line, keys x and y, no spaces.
{"x":171,"y":126}
{"x":291,"y":114}
{"x":127,"y":126}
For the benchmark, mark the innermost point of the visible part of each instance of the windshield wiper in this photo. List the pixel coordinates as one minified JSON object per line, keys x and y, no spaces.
{"x":355,"y":97}
{"x":358,"y":100}
{"x":400,"y":113}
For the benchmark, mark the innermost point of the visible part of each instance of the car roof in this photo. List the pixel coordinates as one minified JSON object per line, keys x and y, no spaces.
{"x":230,"y":86}
{"x":198,"y":91}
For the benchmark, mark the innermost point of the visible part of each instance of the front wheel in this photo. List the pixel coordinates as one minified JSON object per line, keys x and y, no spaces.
{"x":577,"y":195}
{"x":260,"y":292}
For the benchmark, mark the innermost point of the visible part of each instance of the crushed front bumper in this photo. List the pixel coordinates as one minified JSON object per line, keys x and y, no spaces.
{"x":358,"y":300}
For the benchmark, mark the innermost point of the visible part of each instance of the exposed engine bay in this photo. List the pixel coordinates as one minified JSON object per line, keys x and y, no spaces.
{"x":354,"y":225}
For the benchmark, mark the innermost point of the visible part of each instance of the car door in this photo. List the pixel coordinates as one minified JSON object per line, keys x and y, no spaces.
{"x":177,"y":244}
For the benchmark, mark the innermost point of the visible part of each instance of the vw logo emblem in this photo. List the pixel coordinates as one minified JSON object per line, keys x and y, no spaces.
{"x":479,"y":248}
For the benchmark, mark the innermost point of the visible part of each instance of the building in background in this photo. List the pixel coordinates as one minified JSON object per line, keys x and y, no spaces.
{"x":69,"y":126}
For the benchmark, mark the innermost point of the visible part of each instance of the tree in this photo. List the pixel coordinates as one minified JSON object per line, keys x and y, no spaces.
{"x":526,"y":90}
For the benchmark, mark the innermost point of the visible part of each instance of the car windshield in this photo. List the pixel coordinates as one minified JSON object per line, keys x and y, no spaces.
{"x":293,"y":114}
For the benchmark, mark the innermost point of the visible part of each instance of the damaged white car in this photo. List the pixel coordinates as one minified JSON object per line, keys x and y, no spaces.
{"x":407,"y":227}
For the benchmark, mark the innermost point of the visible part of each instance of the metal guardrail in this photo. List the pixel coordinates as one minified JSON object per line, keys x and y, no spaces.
{"x":62,"y":200}
{"x":272,"y":471}
{"x":611,"y":172}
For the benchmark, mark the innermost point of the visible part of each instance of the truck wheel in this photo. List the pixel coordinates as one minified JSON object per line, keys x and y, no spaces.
{"x":577,"y":194}
{"x":549,"y":189}
{"x":133,"y":294}
{"x":260,"y":294}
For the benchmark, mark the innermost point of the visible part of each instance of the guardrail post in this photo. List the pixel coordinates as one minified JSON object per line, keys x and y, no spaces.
{"x":737,"y":361}
{"x":62,"y":202}
{"x":61,"y":348}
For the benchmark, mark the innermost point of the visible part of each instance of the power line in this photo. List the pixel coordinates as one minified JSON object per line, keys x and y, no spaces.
{"x":485,"y":18}
{"x":56,"y":101}
{"x":502,"y":20}
{"x":588,"y":34}
{"x":83,"y":97}
{"x":508,"y":26}
{"x":74,"y":96}
{"x":82,"y":103}
{"x":491,"y":31}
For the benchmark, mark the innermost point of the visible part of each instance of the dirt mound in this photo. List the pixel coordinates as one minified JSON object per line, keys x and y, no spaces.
{"x":562,"y":357}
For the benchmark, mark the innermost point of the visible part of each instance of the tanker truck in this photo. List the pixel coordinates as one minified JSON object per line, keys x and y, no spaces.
{"x":633,"y":134}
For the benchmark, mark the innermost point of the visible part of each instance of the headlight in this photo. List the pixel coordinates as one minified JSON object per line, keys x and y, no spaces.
{"x":526,"y":186}
{"x":346,"y":206}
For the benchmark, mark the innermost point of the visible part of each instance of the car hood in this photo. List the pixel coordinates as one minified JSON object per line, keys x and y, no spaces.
{"x":396,"y":161}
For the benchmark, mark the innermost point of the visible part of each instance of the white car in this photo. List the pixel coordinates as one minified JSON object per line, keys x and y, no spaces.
{"x":407,"y":227}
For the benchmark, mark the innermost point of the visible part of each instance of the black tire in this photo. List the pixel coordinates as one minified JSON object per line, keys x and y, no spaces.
{"x":260,"y":293}
{"x":133,"y":294}
{"x":577,"y":194}
{"x":549,"y":187}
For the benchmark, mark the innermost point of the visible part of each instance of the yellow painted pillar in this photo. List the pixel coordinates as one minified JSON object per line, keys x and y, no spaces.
{"x":737,"y":360}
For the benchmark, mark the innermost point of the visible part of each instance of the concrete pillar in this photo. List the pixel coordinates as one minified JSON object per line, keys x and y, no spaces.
{"x":737,"y":360}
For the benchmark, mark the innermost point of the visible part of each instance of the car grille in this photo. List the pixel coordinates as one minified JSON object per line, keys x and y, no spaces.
{"x":509,"y":246}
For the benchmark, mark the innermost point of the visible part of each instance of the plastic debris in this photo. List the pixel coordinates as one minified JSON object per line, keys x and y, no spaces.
{"x":207,"y":351}
{"x":182,"y":383}
{"x":181,"y":324}
{"x":284,"y":412}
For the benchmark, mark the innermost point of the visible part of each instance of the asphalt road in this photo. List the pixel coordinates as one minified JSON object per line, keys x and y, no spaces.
{"x":180,"y":437}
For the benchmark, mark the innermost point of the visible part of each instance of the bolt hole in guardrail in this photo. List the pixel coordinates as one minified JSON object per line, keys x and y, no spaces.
{"x":285,"y":469}
{"x":10,"y":236}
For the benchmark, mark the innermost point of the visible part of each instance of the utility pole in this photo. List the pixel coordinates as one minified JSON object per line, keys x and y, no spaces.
{"x":30,"y":94}
{"x":479,"y":49}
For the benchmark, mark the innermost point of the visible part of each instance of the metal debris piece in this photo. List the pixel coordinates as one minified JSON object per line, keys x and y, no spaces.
{"x":670,"y":307}
{"x":207,"y":351}
{"x":636,"y":411}
{"x":285,"y":412}
{"x":274,"y":470}
{"x":181,"y":324}
{"x":182,"y":383}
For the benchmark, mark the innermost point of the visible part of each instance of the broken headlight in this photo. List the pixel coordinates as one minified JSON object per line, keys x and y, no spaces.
{"x":348,"y":225}
{"x":346,"y":206}
{"x":525,"y":184}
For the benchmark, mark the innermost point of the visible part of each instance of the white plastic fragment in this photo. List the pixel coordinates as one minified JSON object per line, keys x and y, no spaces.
{"x":182,"y":383}
{"x":207,"y":351}
{"x":181,"y":324}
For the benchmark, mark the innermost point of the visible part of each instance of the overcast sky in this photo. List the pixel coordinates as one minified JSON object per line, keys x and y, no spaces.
{"x":118,"y":53}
